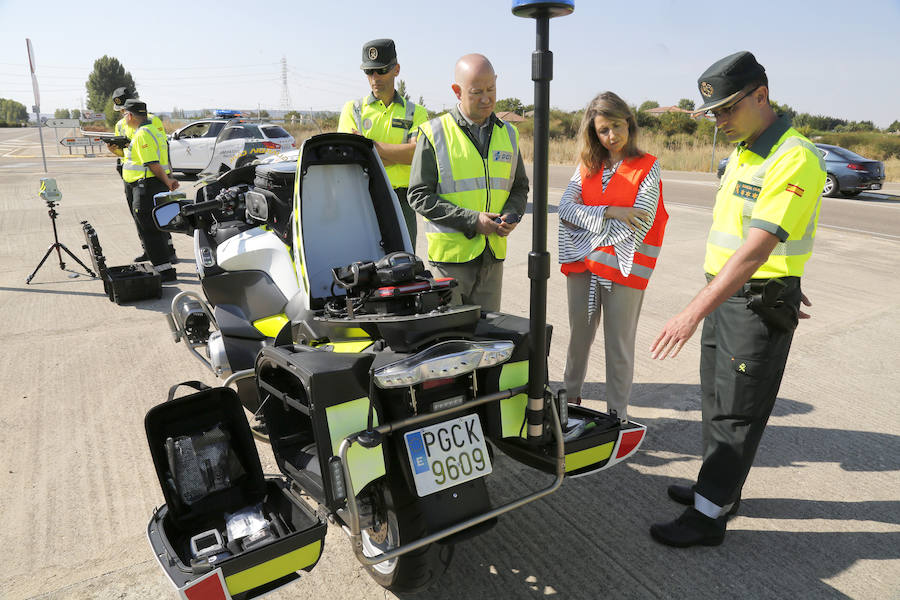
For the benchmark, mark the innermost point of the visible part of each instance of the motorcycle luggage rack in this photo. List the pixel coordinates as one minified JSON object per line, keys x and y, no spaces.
{"x":355,"y":532}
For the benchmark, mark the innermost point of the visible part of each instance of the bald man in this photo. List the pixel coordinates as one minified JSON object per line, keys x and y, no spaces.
{"x":468,"y":182}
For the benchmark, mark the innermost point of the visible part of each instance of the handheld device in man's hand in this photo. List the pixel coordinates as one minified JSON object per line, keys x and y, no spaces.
{"x":510,"y":219}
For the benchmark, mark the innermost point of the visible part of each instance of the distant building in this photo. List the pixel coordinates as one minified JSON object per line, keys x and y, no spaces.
{"x":661,"y":110}
{"x":510,"y":116}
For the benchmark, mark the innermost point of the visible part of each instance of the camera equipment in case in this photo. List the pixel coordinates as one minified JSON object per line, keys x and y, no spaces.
{"x":221,"y":512}
{"x":126,"y":283}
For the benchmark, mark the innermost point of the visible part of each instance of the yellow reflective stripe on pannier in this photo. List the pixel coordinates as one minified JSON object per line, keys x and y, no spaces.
{"x":512,"y":410}
{"x":590,"y":456}
{"x":271,"y":326}
{"x":274,"y":569}
{"x":350,"y":347}
{"x":366,"y":464}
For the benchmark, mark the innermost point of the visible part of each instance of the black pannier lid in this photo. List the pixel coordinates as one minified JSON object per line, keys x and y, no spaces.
{"x":202,"y":425}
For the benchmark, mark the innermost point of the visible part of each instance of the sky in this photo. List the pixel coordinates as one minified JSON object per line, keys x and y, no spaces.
{"x":828,"y":57}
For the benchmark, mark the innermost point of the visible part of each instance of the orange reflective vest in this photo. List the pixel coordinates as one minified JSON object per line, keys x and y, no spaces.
{"x":622,"y":190}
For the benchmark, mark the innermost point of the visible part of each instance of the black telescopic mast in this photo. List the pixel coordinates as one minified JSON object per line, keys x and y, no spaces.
{"x":539,"y":258}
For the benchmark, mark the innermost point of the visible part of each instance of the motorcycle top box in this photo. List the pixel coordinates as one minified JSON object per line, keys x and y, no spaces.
{"x":222,"y":515}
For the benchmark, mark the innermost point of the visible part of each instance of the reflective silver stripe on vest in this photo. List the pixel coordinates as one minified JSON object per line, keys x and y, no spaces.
{"x":357,"y":115}
{"x":432,"y":227}
{"x":410,"y":113}
{"x":442,"y":156}
{"x":510,"y":131}
{"x":788,"y":248}
{"x":598,"y":256}
{"x":789,"y":144}
{"x":649,"y":251}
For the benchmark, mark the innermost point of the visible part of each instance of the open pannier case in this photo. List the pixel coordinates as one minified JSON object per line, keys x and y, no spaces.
{"x":224,"y":523}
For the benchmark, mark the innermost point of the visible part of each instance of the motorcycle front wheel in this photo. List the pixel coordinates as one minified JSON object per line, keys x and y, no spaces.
{"x":411,"y":572}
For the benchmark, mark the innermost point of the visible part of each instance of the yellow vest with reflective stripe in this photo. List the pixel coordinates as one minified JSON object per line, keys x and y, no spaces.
{"x":469,"y":181}
{"x":779,"y":193}
{"x":394,"y":124}
{"x":146,"y":145}
{"x":122,"y":128}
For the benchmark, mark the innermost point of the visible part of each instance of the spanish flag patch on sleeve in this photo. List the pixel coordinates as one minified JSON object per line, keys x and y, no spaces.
{"x":794,"y":189}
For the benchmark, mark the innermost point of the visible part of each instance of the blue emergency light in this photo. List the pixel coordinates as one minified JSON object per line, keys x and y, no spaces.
{"x":537,"y":8}
{"x":227,"y":114}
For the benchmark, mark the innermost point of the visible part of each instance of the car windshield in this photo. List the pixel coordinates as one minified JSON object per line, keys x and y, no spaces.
{"x":274,"y":131}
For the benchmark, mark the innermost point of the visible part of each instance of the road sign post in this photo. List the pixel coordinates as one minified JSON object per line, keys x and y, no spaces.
{"x":37,"y":99}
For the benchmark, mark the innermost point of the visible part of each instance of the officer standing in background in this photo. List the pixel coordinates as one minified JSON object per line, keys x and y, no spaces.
{"x":146,"y":173}
{"x":120,"y":95}
{"x":764,"y":224}
{"x":387,"y":118}
{"x":469,"y":182}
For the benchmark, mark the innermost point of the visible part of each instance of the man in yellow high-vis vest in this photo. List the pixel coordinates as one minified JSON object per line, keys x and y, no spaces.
{"x":146,"y":173}
{"x":764,"y":224}
{"x":387,"y":118}
{"x":120,"y":95}
{"x":469,"y":183}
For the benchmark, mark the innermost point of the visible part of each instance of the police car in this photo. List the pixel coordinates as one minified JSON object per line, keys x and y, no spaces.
{"x":192,"y":148}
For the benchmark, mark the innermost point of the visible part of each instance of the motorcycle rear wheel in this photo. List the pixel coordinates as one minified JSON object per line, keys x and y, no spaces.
{"x":411,"y":572}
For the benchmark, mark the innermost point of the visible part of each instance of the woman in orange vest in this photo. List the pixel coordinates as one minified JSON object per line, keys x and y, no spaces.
{"x":611,"y":225}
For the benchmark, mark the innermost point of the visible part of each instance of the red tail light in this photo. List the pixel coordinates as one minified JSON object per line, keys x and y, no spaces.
{"x":856,"y":167}
{"x":271,"y":145}
{"x":433,"y":383}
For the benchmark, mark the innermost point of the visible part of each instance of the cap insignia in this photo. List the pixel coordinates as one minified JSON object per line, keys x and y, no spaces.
{"x":706,"y":89}
{"x":373,"y":53}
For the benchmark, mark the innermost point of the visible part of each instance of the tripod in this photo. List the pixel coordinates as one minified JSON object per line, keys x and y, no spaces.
{"x":58,"y":246}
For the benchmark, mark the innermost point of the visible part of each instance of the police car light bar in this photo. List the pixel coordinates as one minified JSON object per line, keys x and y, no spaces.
{"x":446,"y":359}
{"x":227,"y":114}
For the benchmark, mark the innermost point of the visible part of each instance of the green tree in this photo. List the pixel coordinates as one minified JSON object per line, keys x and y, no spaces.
{"x":672,"y":123}
{"x":12,"y":112}
{"x":510,"y":104}
{"x":76,"y":114}
{"x":686,"y":104}
{"x":263,"y":114}
{"x":401,"y":89}
{"x":647,"y":105}
{"x":783,"y":110}
{"x":108,"y":74}
{"x":61,"y":113}
{"x":894,"y":127}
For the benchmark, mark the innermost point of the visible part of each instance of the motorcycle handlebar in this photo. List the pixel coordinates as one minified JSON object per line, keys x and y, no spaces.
{"x":200,"y":207}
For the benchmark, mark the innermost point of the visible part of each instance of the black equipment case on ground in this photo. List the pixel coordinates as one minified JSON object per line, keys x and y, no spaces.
{"x":208,"y":468}
{"x":126,"y":283}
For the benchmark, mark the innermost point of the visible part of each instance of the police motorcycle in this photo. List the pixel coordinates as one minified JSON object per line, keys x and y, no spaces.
{"x":385,"y":405}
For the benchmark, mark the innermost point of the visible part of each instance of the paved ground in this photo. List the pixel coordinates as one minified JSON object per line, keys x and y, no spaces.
{"x":821,"y":510}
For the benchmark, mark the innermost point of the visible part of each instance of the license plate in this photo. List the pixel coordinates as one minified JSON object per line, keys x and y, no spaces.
{"x":447,"y":454}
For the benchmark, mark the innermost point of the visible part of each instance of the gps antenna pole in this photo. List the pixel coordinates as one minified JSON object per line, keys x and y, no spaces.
{"x":539,"y":258}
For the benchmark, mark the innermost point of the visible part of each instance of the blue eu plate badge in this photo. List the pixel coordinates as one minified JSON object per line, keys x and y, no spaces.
{"x":417,"y":452}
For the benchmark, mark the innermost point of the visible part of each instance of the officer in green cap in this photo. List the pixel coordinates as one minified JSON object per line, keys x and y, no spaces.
{"x":764,"y":224}
{"x":389,"y":119}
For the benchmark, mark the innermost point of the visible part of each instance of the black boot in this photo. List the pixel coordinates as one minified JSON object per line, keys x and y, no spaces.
{"x":692,"y":528}
{"x":683,"y":494}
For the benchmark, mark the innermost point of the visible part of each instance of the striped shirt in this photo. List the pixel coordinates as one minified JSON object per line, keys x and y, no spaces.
{"x":583,"y":228}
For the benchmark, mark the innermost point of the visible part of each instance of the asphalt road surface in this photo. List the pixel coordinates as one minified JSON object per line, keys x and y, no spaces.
{"x":820,"y":516}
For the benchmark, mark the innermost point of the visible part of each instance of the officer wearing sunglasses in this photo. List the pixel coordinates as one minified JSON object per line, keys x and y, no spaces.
{"x":387,"y":118}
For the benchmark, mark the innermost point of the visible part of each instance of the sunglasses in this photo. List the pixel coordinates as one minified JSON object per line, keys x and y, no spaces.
{"x":381,"y":71}
{"x":727,"y":110}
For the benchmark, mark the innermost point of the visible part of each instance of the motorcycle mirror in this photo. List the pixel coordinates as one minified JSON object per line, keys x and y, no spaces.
{"x":257,"y":207}
{"x":168,"y":218}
